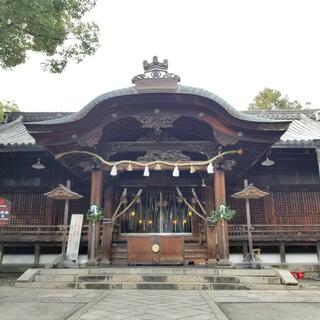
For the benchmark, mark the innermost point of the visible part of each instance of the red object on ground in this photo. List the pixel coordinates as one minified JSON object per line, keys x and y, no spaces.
{"x":299,"y":275}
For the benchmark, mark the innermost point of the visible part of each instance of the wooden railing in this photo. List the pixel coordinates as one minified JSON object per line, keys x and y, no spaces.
{"x":265,"y":232}
{"x":45,"y":233}
{"x":260,"y":232}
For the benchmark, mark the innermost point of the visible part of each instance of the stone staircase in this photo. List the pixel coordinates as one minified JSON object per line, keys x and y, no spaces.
{"x":175,"y":278}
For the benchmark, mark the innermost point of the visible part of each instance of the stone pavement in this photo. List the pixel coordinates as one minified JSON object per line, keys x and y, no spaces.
{"x":68,"y":304}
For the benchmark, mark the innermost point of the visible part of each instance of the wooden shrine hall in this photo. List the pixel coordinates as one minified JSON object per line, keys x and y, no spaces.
{"x":157,"y":158}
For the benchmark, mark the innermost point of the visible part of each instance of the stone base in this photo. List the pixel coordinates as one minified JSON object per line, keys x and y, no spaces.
{"x":105,"y":263}
{"x":225,"y":263}
{"x":92,"y":263}
{"x":212,"y":262}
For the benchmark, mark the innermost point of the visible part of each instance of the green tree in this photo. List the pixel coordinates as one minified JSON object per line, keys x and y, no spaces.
{"x":50,"y":27}
{"x":7,"y":106}
{"x":270,"y":99}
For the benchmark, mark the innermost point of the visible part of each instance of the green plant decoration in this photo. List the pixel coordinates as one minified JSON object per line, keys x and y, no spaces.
{"x":223,"y":213}
{"x":94,"y":214}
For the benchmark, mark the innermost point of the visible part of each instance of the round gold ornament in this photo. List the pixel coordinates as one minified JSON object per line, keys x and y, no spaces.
{"x":155,"y":248}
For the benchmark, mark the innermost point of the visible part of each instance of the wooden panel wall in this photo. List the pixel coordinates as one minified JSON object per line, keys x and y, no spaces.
{"x":301,"y":207}
{"x":30,"y":208}
{"x":297,"y":207}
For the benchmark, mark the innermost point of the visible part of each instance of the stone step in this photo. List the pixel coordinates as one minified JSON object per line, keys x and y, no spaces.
{"x":177,"y":270}
{"x":176,"y":278}
{"x":154,"y":286}
{"x":161,"y":286}
{"x":162,"y":271}
{"x":48,"y":285}
{"x":55,"y":278}
{"x":184,"y":278}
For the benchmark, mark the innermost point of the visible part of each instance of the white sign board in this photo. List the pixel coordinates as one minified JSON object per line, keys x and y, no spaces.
{"x":74,"y":236}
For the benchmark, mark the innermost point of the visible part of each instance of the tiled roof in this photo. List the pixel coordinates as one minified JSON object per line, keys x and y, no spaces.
{"x":304,"y":130}
{"x":36,"y":116}
{"x":183,"y":90}
{"x":274,"y":114}
{"x":15,"y":133}
{"x":284,"y":114}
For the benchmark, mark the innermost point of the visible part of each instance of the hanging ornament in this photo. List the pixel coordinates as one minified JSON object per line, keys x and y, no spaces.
{"x":133,"y":214}
{"x":129,"y":168}
{"x":192,"y":169}
{"x":190,"y":213}
{"x":140,"y":221}
{"x":146,"y":172}
{"x":175,"y":172}
{"x":210,"y":168}
{"x":158,"y":167}
{"x":114,"y":171}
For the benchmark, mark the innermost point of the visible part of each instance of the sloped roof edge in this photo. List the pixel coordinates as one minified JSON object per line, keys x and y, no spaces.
{"x":180,"y":90}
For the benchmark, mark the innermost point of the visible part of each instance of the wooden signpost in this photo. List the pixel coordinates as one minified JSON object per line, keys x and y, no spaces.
{"x":63,"y":193}
{"x":250,"y":192}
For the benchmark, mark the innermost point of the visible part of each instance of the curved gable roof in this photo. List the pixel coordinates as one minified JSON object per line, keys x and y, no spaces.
{"x":184,"y":90}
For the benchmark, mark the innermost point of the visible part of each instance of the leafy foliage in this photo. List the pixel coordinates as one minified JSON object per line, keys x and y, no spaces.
{"x":7,"y":106}
{"x":95,"y":213}
{"x":51,"y":27}
{"x":270,"y":99}
{"x":222,"y":213}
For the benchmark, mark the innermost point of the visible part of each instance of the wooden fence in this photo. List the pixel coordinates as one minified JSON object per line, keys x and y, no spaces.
{"x":260,"y":232}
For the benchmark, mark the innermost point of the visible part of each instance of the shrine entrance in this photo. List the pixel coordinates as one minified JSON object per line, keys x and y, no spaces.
{"x":156,"y":225}
{"x":157,"y":211}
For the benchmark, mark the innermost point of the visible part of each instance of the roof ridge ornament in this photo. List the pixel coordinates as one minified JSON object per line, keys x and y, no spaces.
{"x":156,"y":77}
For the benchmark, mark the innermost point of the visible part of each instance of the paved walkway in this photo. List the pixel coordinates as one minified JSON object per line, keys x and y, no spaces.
{"x":55,"y":304}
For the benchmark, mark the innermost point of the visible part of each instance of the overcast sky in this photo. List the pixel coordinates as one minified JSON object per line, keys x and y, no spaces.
{"x":232,"y":48}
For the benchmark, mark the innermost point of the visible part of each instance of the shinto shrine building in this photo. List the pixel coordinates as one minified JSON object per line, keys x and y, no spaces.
{"x":158,"y":157}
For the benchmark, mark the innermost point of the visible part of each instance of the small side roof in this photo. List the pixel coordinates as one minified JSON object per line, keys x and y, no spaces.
{"x":15,"y":133}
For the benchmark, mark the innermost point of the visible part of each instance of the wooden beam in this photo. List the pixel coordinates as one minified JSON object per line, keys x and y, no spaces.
{"x":142,"y":146}
{"x":107,"y":227}
{"x":269,"y":209}
{"x":244,"y":249}
{"x":222,"y":226}
{"x":36,"y":253}
{"x":49,"y":217}
{"x":94,"y":228}
{"x":211,"y":231}
{"x":1,"y":251}
{"x":282,"y":249}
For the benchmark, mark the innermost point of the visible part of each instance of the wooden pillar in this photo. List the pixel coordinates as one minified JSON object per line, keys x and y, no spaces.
{"x":36,"y":253}
{"x":49,"y":218}
{"x":222,"y":226}
{"x":282,"y":249}
{"x":107,"y":227}
{"x":318,"y":251}
{"x":1,"y":251}
{"x":244,"y":249}
{"x":94,"y":228}
{"x":211,"y":230}
{"x":269,"y":209}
